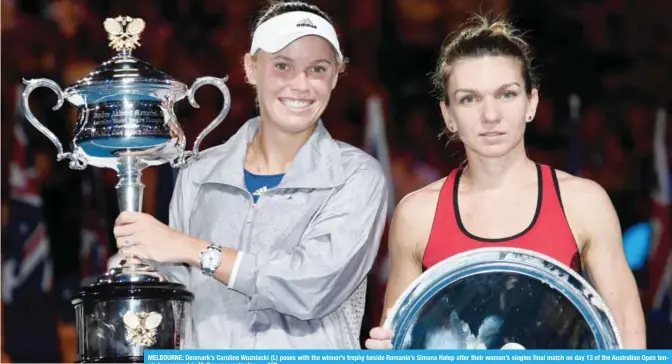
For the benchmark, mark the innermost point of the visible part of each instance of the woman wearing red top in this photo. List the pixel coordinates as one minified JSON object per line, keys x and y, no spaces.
{"x":501,"y":197}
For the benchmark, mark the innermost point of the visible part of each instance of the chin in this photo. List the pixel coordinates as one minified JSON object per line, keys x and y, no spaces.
{"x":292,"y":124}
{"x":492,"y":151}
{"x":494,"y":148}
{"x":296,"y":126}
{"x":295,"y":121}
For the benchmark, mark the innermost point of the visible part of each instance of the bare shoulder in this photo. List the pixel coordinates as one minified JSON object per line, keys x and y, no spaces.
{"x":413,"y":218}
{"x":583,"y":191}
{"x":421,"y":203}
{"x":587,"y":205}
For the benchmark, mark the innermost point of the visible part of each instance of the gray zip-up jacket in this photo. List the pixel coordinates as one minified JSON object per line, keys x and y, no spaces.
{"x":307,"y":245}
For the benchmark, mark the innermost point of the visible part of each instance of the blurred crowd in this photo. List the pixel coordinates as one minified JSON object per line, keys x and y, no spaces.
{"x":608,"y":53}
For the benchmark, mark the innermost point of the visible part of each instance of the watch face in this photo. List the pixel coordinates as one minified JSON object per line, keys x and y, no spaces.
{"x":211,"y":259}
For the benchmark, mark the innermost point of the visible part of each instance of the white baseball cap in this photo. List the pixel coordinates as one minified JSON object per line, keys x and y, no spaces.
{"x":277,"y":32}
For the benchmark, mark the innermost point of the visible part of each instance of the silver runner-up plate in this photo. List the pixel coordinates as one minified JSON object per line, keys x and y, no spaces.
{"x":501,"y":298}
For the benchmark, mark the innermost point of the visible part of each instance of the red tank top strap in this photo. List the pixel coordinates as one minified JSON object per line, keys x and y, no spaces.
{"x":553,"y":221}
{"x":444,"y":224}
{"x":550,"y":193}
{"x":551,"y":211}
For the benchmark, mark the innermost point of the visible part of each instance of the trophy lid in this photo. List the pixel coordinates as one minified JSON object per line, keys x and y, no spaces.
{"x":124,"y":70}
{"x":132,"y":273}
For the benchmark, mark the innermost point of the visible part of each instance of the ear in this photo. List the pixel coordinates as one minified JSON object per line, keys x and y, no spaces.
{"x":445,"y":113}
{"x":337,"y":76}
{"x":250,"y":64}
{"x":532,"y":105}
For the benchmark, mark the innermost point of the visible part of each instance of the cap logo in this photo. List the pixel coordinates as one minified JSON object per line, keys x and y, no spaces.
{"x":306,"y":23}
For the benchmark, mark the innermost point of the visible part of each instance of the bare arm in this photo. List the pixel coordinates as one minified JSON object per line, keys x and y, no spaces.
{"x":409,"y":232}
{"x":605,"y":260}
{"x":405,"y":265}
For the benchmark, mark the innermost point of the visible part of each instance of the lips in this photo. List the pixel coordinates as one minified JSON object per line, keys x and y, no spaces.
{"x":492,"y":133}
{"x":296,"y":104}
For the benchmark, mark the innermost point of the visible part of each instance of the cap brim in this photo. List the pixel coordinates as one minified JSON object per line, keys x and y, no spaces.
{"x":279,"y":42}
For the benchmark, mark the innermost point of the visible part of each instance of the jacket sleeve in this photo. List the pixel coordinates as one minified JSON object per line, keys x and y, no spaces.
{"x":331,"y":260}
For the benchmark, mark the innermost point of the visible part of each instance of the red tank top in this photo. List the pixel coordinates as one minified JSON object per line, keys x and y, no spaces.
{"x":548,"y":232}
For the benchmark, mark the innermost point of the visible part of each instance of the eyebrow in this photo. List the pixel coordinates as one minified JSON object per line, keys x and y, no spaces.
{"x":322,"y":61}
{"x":279,"y":57}
{"x":500,"y":88}
{"x":282,"y":58}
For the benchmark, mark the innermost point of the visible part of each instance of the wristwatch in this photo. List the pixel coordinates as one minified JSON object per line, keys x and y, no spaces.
{"x":210,"y":259}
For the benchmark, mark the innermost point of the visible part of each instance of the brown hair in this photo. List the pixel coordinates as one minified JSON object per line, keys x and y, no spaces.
{"x":478,"y":38}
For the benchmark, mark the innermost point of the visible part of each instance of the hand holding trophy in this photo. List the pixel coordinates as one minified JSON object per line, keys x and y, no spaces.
{"x":126,"y":122}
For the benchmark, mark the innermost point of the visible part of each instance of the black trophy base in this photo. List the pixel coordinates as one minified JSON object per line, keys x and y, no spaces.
{"x":117,"y":321}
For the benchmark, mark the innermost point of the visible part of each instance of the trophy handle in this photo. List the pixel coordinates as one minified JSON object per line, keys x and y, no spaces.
{"x":76,"y":160}
{"x":220,"y":83}
{"x":171,"y":120}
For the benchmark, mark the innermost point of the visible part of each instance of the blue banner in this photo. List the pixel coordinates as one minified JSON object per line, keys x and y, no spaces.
{"x":403,"y":356}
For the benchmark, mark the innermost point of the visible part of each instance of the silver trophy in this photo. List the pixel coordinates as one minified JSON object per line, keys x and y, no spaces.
{"x":126,"y":122}
{"x":502,"y":298}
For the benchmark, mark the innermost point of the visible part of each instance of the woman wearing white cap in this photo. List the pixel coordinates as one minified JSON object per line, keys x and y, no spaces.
{"x":279,"y":226}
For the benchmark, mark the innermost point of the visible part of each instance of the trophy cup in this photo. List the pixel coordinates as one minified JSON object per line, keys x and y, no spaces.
{"x":502,"y":298}
{"x":126,"y":122}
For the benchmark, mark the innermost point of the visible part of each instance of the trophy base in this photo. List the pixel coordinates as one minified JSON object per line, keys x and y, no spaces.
{"x":131,"y":308}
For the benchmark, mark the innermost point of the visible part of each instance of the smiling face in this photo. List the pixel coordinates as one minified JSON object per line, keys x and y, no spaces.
{"x":294,"y":85}
{"x":489,"y":108}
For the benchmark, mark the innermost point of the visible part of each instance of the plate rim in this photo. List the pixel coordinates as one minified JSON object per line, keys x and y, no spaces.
{"x":458,"y":261}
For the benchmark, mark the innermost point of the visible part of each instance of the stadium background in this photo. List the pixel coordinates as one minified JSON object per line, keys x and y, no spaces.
{"x":612,"y":56}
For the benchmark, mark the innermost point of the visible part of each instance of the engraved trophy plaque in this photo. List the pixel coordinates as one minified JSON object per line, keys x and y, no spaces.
{"x":126,"y":123}
{"x":501,"y":298}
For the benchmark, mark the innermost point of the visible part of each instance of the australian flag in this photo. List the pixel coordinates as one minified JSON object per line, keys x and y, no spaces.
{"x":29,"y":312}
{"x":94,"y":249}
{"x":659,"y":295}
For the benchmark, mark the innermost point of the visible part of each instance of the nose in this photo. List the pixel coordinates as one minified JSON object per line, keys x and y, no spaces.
{"x":299,"y":82}
{"x":491,"y":112}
